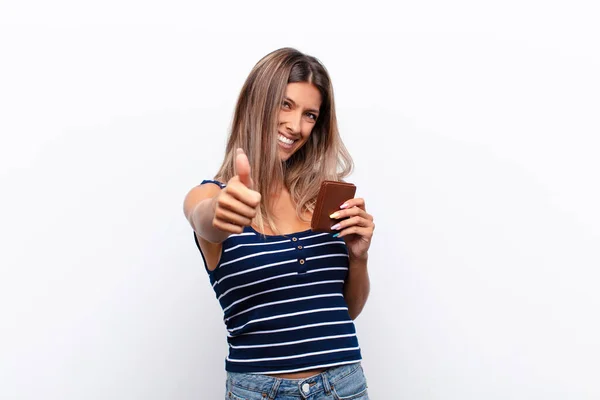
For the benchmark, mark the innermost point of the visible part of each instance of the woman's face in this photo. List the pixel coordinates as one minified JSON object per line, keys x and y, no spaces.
{"x":297,"y":117}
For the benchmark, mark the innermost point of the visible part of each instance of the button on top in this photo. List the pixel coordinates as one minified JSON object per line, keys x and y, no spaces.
{"x":294,"y":239}
{"x":305,"y":388}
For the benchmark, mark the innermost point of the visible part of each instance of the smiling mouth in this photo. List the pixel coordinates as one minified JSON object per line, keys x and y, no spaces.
{"x":285,"y":142}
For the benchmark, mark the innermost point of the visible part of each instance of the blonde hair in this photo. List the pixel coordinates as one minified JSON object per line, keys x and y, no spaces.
{"x":254,"y":129}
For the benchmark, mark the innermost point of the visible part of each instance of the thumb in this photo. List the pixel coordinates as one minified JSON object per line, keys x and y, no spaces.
{"x":242,"y":168}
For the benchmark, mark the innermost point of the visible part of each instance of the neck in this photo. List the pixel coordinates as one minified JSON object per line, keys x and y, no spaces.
{"x":278,"y":187}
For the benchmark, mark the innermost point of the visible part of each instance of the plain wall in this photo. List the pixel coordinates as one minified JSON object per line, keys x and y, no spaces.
{"x":475,"y":133}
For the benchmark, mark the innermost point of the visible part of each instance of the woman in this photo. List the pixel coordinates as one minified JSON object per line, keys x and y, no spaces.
{"x":289,"y":295}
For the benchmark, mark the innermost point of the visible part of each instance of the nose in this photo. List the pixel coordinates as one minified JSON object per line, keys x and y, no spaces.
{"x":293,"y":122}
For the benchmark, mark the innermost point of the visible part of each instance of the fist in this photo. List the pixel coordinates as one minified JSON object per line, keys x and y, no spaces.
{"x":235,"y":206}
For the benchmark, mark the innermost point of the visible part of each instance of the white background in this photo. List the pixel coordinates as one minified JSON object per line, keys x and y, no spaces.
{"x":474,"y":127}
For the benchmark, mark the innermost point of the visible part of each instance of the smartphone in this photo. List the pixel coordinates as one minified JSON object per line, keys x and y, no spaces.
{"x":332,"y":194}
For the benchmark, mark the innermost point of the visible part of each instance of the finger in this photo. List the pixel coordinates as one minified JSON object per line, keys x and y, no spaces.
{"x":232,"y":217}
{"x":356,"y":202}
{"x":232,"y":204}
{"x":352,"y":221}
{"x":238,"y":191}
{"x":242,"y":168}
{"x":227,"y":227}
{"x":365,"y":233}
{"x":350,"y":212}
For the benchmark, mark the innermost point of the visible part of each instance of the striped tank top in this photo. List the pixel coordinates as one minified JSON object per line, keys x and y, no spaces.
{"x":282,"y":300}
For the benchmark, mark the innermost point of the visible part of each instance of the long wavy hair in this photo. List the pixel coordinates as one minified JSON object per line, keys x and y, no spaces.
{"x":255,"y":125}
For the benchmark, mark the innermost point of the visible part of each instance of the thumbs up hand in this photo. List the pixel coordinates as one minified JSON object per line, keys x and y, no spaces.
{"x":242,"y":168}
{"x":236,"y":205}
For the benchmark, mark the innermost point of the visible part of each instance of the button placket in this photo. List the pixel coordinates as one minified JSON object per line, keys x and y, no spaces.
{"x":301,"y":260}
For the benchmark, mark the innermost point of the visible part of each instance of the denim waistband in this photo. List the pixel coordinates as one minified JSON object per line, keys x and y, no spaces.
{"x":305,"y":387}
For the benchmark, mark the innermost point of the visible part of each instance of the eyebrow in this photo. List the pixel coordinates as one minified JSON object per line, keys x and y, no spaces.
{"x":294,"y":103}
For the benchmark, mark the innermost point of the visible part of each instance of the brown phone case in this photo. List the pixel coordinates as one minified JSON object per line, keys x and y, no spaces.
{"x":332,"y":195}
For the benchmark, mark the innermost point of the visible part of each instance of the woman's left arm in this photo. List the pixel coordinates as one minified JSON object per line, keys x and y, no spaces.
{"x":357,"y":286}
{"x":357,"y":231}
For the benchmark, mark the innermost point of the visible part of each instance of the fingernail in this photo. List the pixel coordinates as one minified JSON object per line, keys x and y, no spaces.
{"x":344,"y":205}
{"x":335,"y":227}
{"x":336,"y":235}
{"x":334,"y":215}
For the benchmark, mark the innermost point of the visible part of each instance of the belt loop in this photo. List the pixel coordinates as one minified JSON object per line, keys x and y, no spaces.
{"x":275,"y":388}
{"x":325,"y":382}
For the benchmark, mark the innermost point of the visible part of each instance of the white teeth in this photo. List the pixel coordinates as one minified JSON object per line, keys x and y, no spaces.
{"x":286,"y":140}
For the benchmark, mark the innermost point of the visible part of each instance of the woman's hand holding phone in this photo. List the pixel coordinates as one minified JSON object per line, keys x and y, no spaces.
{"x":338,"y":211}
{"x":356,"y":227}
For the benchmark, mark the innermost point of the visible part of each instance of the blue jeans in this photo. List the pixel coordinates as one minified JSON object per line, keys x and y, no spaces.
{"x":346,"y":382}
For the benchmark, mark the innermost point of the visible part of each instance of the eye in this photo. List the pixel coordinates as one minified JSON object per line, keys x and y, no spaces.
{"x":286,"y":104}
{"x":312,"y":116}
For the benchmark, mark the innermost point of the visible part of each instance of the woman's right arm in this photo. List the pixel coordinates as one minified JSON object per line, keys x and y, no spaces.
{"x":199,"y":209}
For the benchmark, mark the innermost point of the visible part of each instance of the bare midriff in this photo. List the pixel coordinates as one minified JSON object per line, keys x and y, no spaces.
{"x":299,"y":375}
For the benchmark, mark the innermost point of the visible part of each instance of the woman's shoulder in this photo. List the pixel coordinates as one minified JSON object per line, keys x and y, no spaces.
{"x":207,"y":188}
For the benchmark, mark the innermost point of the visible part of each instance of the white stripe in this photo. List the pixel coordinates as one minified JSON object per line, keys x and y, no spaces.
{"x":295,"y":328}
{"x":294,"y":342}
{"x":257,"y":282}
{"x":327,"y":269}
{"x":322,"y":244}
{"x":287,"y":315}
{"x":285,"y":301}
{"x":255,"y":244}
{"x":241,"y":234}
{"x":314,"y":353}
{"x":306,"y":368}
{"x":256,"y":255}
{"x":314,"y":236}
{"x":295,"y":260}
{"x":326,"y":256}
{"x":281,"y":288}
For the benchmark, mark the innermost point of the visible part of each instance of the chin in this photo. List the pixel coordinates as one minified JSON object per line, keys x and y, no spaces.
{"x":284,"y":156}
